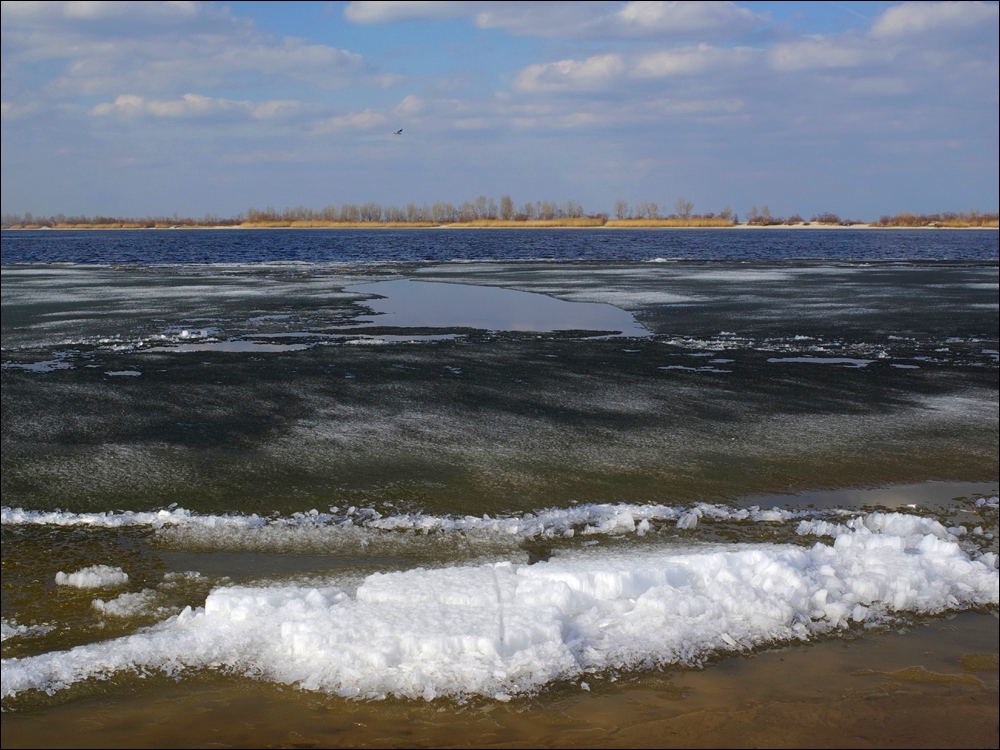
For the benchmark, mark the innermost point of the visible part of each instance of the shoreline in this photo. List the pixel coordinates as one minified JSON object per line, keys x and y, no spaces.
{"x":807,"y":226}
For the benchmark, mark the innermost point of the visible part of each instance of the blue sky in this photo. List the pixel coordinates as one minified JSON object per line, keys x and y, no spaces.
{"x":132,"y":109}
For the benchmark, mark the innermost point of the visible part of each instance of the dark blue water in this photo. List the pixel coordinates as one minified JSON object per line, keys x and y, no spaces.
{"x":436,"y":245}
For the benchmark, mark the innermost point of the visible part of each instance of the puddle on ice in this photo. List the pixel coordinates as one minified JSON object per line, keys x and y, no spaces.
{"x":49,"y":365}
{"x":845,"y":361}
{"x":231,"y":346}
{"x":424,"y":304}
{"x":392,"y":339}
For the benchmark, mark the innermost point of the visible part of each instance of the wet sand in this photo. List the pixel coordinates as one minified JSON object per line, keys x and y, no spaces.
{"x":934,"y":685}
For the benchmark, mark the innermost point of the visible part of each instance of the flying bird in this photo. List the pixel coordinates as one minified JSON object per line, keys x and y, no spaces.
{"x":399,"y":132}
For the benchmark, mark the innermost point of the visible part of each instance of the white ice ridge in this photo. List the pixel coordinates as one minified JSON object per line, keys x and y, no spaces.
{"x":94,"y":577}
{"x":502,"y":629}
{"x":129,"y":604}
{"x":12,"y":629}
{"x":897,"y":524}
{"x":594,"y":518}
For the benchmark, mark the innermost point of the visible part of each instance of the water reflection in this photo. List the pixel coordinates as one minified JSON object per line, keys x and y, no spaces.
{"x":422,"y":304}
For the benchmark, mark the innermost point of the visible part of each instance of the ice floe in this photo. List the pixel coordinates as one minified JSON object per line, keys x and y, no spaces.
{"x":502,"y":629}
{"x":94,"y":577}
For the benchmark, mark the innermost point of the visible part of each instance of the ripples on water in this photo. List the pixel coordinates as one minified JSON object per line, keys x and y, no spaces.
{"x":344,"y":245}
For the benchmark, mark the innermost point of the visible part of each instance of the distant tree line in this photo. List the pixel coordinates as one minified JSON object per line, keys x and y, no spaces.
{"x":99,"y":220}
{"x":683,"y":211}
{"x":484,"y":210}
{"x":970,"y":218}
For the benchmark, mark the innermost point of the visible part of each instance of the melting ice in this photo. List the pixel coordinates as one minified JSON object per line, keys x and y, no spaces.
{"x":503,"y":629}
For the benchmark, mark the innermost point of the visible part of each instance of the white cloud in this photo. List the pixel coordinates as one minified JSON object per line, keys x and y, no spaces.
{"x":821,"y":52}
{"x":112,"y":15}
{"x":292,"y":58}
{"x":693,"y":60}
{"x":411,"y":105}
{"x":609,"y":73}
{"x":522,"y":18}
{"x":912,"y":19}
{"x":363,"y":120}
{"x":104,"y":10}
{"x":687,"y":18}
{"x":393,"y":12}
{"x":699,"y":107}
{"x":191,"y":106}
{"x":596,"y":72}
{"x":276,"y":108}
{"x":170,"y":64}
{"x":14,"y":111}
{"x":158,"y":48}
{"x":571,"y":20}
{"x":544,"y":19}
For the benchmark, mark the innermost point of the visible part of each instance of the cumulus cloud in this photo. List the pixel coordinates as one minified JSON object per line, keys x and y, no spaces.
{"x":571,"y":75}
{"x":572,"y":20}
{"x":820,"y":52}
{"x":545,"y":19}
{"x":158,"y":48}
{"x":881,"y":60}
{"x":611,"y":73}
{"x":102,"y":11}
{"x":16,"y":111}
{"x":116,"y":19}
{"x":172,"y":63}
{"x":699,"y":107}
{"x":692,"y":60}
{"x":914,"y":19}
{"x":411,"y":105}
{"x":393,"y":12}
{"x":191,"y":106}
{"x":687,"y":18}
{"x":523,"y":18}
{"x":364,"y":120}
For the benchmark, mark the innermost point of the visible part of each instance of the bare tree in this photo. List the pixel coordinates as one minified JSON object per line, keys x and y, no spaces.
{"x":647,"y":210}
{"x":621,"y":209}
{"x":683,"y":208}
{"x":481,"y":207}
{"x":506,"y":208}
{"x":371,"y":212}
{"x":393,"y":213}
{"x":442,"y":213}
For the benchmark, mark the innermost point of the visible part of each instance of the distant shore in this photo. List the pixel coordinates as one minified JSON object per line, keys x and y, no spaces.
{"x":538,"y":224}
